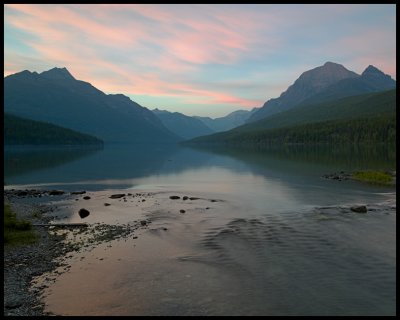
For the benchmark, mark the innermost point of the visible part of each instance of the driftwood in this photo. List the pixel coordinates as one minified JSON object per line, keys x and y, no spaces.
{"x":64,"y":225}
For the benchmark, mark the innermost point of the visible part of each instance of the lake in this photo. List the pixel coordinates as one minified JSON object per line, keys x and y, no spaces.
{"x":265,"y":233}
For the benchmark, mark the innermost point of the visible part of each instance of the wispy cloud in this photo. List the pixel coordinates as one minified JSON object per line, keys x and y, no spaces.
{"x":207,"y":55}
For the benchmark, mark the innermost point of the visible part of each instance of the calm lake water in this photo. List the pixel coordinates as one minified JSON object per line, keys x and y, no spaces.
{"x":278,"y":240}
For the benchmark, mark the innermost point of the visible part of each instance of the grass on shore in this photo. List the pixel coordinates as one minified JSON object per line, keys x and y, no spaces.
{"x":375,"y":177}
{"x":17,"y":231}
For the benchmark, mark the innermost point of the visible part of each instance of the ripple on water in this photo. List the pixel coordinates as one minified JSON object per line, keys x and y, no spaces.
{"x":294,"y":257}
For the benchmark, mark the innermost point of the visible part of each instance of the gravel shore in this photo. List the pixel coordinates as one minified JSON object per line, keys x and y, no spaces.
{"x":23,"y":263}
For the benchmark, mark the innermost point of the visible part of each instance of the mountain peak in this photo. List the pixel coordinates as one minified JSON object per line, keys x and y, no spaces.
{"x":372,"y":70}
{"x":329,"y":63}
{"x":57,"y":73}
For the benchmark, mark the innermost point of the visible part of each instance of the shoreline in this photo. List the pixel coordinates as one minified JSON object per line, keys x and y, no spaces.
{"x":48,"y":255}
{"x":48,"y":258}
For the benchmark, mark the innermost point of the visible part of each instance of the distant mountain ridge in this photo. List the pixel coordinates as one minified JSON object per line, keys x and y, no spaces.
{"x":230,"y":121}
{"x":55,"y":96}
{"x":328,"y":82}
{"x":182,"y":125}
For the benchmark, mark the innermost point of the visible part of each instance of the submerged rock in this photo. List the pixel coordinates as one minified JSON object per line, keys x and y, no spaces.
{"x":83,"y":213}
{"x":78,"y":192}
{"x":56,"y":192}
{"x":360,"y":209}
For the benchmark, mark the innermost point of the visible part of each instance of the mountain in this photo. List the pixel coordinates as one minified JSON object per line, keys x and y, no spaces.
{"x":307,"y":85}
{"x":55,"y":96}
{"x":341,"y":116}
{"x":23,"y":131}
{"x":182,"y":125}
{"x":230,"y":121}
{"x":371,"y":80}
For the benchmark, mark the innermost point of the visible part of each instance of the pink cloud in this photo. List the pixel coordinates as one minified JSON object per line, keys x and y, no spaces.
{"x":159,"y":49}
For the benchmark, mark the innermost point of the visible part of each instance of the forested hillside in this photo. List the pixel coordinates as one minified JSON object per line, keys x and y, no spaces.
{"x":23,"y":131}
{"x":369,"y":118}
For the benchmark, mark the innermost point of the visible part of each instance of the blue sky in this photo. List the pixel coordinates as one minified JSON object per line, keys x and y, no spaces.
{"x":205,"y":59}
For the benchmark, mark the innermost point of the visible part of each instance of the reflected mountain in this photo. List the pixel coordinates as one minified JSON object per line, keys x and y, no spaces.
{"x":315,"y":160}
{"x":113,"y":162}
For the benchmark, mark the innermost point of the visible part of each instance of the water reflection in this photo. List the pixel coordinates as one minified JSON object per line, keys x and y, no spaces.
{"x":351,"y":157}
{"x":126,"y":162}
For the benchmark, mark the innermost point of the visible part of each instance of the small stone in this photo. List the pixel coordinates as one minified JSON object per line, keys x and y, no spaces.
{"x":107,"y":204}
{"x":56,"y":192}
{"x":117,"y":196}
{"x":143,"y":222}
{"x":194,"y":198}
{"x":182,"y":211}
{"x":174,"y":197}
{"x":359,"y":209}
{"x":78,"y":192}
{"x":185,"y":198}
{"x":86,"y":197}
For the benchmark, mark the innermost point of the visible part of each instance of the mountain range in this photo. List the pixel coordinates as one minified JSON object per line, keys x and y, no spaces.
{"x":325,"y":93}
{"x":56,"y":97}
{"x":182,"y":125}
{"x":230,"y":121}
{"x":328,"y":82}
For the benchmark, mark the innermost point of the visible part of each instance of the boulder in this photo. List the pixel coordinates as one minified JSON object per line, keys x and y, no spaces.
{"x":83,"y":213}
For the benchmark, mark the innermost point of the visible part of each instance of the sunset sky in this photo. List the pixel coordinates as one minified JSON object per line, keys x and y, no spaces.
{"x":205,"y":59}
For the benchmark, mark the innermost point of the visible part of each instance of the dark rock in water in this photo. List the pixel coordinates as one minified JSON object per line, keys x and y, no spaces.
{"x":185,"y":198}
{"x":83,"y":213}
{"x":143,"y":200}
{"x":107,"y":204}
{"x":213,"y":200}
{"x":193,"y":198}
{"x":56,"y":192}
{"x":78,"y":192}
{"x":207,"y":208}
{"x":117,"y":196}
{"x":86,"y":197}
{"x":182,"y":211}
{"x":338,"y":176}
{"x":143,"y":222}
{"x":174,"y":197}
{"x":360,"y":209}
{"x":22,"y":193}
